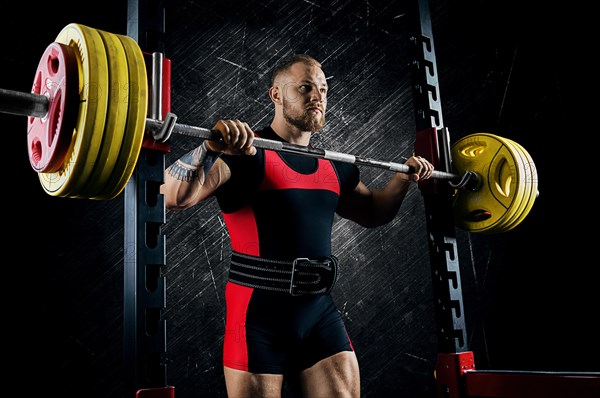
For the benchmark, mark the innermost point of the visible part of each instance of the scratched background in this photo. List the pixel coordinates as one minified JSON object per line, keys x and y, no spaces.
{"x":529,"y":296}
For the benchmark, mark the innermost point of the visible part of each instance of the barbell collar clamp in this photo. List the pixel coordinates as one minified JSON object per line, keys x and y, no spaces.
{"x":164,"y":133}
{"x":469,"y":181}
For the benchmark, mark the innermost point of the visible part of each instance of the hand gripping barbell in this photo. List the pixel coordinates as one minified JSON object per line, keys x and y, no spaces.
{"x":91,"y":153}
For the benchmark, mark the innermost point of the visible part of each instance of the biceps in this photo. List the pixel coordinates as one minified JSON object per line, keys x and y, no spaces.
{"x":218,"y":175}
{"x":181,"y":194}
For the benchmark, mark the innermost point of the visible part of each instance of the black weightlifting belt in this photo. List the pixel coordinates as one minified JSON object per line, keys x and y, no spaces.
{"x":298,"y":277}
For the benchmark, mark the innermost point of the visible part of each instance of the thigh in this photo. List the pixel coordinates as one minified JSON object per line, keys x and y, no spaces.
{"x":242,"y":384}
{"x":326,"y":335}
{"x":334,"y":376}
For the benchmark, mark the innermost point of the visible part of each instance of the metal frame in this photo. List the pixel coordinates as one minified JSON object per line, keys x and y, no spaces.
{"x":433,"y":143}
{"x":145,"y":246}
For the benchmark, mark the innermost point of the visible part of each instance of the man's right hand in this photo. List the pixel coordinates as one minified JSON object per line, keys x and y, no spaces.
{"x":237,"y":138}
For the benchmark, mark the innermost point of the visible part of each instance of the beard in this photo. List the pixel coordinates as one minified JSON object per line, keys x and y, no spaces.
{"x":302,"y":120}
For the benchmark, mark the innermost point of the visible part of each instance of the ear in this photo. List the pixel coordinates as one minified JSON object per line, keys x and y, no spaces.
{"x":275,"y":94}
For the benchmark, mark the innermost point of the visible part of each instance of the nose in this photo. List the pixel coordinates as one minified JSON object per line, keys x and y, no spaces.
{"x":317,"y":96}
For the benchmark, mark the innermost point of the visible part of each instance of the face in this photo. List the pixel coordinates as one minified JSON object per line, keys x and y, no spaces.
{"x":304,"y":98}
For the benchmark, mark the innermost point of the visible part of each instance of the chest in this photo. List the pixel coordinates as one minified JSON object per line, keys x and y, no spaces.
{"x":291,"y":173}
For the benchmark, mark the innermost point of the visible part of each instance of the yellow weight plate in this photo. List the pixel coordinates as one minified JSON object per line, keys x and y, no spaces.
{"x":116,"y":118}
{"x":534,"y":191}
{"x":532,"y":181}
{"x":87,"y":135}
{"x":496,"y":166}
{"x":136,"y":115}
{"x":527,"y":184}
{"x":522,"y":186}
{"x":520,"y":189}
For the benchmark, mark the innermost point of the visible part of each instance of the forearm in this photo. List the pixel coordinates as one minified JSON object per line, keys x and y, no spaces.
{"x":385,"y":202}
{"x":373,"y":208}
{"x":192,"y":178}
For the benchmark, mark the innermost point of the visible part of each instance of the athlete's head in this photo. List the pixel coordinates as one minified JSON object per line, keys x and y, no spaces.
{"x":299,"y":92}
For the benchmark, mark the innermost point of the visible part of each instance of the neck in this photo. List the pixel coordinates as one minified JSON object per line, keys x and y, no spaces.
{"x":290,"y":133}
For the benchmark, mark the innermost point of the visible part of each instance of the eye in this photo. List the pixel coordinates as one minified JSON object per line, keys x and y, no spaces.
{"x":305,"y":88}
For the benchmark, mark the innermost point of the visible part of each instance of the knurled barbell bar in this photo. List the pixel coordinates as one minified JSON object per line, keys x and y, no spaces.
{"x":91,"y":153}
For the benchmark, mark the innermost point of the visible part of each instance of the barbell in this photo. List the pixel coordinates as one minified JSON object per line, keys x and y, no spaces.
{"x":87,"y":119}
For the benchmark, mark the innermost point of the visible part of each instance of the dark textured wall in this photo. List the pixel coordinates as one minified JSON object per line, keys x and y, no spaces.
{"x":528,"y":294}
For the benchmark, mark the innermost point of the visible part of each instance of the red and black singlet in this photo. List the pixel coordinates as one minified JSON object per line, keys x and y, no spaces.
{"x":281,"y":206}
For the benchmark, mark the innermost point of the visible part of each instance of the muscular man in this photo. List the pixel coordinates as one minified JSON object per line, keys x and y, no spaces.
{"x":279,"y":210}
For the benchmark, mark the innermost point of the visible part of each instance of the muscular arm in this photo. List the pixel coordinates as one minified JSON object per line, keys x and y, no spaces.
{"x":187,"y":183}
{"x":373,"y":208}
{"x":196,"y":175}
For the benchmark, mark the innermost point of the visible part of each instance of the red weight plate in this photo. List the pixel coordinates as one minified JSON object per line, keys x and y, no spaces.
{"x":49,"y":137}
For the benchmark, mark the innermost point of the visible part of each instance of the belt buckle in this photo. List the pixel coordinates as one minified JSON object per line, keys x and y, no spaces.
{"x":294,"y":273}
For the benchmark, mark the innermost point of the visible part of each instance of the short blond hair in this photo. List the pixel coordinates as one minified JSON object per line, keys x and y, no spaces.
{"x":286,"y":62}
